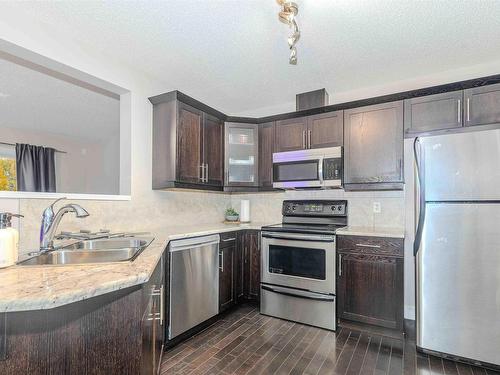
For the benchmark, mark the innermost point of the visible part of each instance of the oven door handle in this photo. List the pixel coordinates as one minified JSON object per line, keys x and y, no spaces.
{"x":299,"y":237}
{"x":299,"y":293}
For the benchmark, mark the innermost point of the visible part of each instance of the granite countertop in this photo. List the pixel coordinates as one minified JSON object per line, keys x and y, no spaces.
{"x":371,"y":231}
{"x":43,"y":287}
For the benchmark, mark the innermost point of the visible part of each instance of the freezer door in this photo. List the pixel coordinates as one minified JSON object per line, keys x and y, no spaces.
{"x":462,"y":167}
{"x":458,"y":281}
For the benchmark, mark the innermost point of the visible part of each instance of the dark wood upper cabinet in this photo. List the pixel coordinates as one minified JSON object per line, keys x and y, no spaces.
{"x":316,"y":131}
{"x":325,"y":130}
{"x":266,"y":149}
{"x":373,"y":147}
{"x":189,"y":144}
{"x":370,"y":280}
{"x":213,"y":150}
{"x":291,"y":134}
{"x":433,"y":112}
{"x":482,"y":105}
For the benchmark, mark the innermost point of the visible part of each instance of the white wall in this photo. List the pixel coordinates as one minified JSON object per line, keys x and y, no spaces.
{"x":88,"y":166}
{"x":147,"y":210}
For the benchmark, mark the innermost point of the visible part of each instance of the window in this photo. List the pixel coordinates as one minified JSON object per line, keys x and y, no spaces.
{"x":8,"y":176}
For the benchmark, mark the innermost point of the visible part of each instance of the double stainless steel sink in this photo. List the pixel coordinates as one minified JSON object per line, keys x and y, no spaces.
{"x":102,"y":250}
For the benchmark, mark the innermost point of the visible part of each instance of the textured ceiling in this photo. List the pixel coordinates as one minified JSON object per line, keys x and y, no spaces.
{"x":233,"y":54}
{"x":35,"y":101}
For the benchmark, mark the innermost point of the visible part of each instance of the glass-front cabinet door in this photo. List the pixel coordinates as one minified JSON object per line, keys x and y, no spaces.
{"x":241,"y":167}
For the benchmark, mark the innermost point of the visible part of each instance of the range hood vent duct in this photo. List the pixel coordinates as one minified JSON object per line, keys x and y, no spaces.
{"x":311,"y":99}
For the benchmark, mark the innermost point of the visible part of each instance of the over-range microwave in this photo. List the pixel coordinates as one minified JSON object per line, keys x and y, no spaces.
{"x":314,"y":168}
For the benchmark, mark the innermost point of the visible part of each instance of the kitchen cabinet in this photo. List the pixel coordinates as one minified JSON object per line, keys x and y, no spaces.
{"x":325,"y":130}
{"x":242,"y":159}
{"x":370,"y":280}
{"x":228,"y":271}
{"x":266,"y":149}
{"x":373,"y":147}
{"x":239,"y":275}
{"x":291,"y":134}
{"x":188,"y":144}
{"x":433,"y":112}
{"x":239,"y":268}
{"x":251,"y":265}
{"x":482,"y":105}
{"x":316,"y":131}
{"x":213,"y":150}
{"x":153,"y":320}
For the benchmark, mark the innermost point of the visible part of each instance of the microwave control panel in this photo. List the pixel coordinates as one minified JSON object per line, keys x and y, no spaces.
{"x":332,"y":169}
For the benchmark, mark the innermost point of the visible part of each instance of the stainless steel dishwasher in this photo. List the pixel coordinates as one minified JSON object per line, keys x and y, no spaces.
{"x":194,"y":282}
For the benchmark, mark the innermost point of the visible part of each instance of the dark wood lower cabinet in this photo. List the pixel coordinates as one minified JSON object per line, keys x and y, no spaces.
{"x":370,"y":280}
{"x":153,"y":321}
{"x":101,"y":335}
{"x":251,"y":251}
{"x":108,"y":334}
{"x":239,"y":271}
{"x":227,"y":281}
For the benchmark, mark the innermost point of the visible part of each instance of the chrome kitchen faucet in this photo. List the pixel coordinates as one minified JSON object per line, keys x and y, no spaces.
{"x":51,"y":220}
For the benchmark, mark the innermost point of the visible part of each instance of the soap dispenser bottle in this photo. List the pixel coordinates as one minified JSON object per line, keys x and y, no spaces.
{"x":9,"y":240}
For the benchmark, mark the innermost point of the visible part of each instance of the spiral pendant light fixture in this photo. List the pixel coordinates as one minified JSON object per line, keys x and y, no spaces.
{"x":287,"y":15}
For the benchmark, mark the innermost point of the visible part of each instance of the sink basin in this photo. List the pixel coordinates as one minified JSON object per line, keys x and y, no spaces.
{"x":109,"y":243}
{"x":92,"y":251}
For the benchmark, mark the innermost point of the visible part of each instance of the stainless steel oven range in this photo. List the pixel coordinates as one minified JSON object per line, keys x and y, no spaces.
{"x":298,"y":262}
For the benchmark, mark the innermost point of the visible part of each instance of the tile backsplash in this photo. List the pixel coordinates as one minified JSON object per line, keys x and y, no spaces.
{"x":266,"y":207}
{"x":157,"y":210}
{"x":149,"y":213}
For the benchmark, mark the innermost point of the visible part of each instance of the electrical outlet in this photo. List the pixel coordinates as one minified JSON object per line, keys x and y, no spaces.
{"x":377,"y":208}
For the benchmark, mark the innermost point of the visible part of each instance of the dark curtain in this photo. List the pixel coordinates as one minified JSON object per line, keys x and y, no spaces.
{"x":36,"y":169}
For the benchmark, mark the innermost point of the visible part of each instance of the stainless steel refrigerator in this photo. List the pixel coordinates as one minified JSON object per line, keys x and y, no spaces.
{"x":457,"y":245}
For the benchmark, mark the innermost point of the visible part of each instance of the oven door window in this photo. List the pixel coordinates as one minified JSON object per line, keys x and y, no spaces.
{"x":306,"y":170}
{"x":297,"y":261}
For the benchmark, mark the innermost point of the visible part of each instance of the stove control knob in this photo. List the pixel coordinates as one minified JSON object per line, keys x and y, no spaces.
{"x":340,"y":208}
{"x":334,"y":208}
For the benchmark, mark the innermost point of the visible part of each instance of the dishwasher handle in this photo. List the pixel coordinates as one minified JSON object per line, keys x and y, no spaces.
{"x":190,"y":243}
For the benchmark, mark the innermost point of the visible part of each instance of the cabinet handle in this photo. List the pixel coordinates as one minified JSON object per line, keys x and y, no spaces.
{"x":229,"y":239}
{"x":458,"y":110}
{"x":162,"y":304}
{"x":340,"y":265}
{"x":468,"y":109}
{"x":158,"y":315}
{"x":303,"y":139}
{"x":221,"y":261}
{"x":365,"y":245}
{"x":155,"y":316}
{"x":206,"y":172}
{"x":308,"y":139}
{"x":202,"y":178}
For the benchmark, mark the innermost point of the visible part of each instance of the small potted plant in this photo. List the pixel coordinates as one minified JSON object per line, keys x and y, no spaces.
{"x":231,"y":214}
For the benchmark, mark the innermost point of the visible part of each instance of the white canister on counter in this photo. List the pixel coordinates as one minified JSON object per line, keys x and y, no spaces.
{"x":9,"y":240}
{"x":245,"y":211}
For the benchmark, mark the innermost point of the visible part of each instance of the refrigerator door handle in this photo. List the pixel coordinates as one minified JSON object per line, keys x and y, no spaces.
{"x":419,"y":161}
